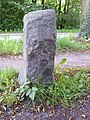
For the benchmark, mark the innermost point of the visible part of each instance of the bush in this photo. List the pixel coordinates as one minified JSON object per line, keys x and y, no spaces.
{"x":13,"y":11}
{"x":11,"y":18}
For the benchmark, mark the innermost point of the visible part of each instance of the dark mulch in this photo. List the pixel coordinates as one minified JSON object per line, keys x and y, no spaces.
{"x":23,"y":111}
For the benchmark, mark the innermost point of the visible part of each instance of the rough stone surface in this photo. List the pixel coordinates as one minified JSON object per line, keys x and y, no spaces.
{"x":40,"y":45}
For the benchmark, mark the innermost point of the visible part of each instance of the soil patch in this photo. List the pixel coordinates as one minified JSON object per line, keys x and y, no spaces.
{"x":74,"y":59}
{"x":80,"y":111}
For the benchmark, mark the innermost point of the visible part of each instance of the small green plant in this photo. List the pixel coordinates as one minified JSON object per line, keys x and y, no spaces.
{"x":8,"y":84}
{"x":26,"y":91}
{"x":69,"y":85}
{"x":58,"y":67}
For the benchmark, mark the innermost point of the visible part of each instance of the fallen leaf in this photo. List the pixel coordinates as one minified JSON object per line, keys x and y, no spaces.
{"x":88,"y":96}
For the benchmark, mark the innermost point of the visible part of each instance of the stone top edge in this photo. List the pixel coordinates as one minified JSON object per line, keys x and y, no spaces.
{"x":38,"y":13}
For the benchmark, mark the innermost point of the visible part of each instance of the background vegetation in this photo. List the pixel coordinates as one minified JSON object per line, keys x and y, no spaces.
{"x":13,"y":11}
{"x":69,"y":43}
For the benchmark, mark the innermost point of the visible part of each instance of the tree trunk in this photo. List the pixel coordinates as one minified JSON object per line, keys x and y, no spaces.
{"x":59,"y":14}
{"x":34,"y":2}
{"x":85,"y":18}
{"x":42,"y":4}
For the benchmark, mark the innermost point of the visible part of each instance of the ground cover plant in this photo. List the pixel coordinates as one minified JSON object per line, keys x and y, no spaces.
{"x":69,"y":85}
{"x":8,"y":85}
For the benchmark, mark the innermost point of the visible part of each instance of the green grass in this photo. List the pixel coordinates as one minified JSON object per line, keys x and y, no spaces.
{"x":58,"y":30}
{"x":8,"y":85}
{"x":69,"y":30}
{"x":69,"y":85}
{"x":14,"y":47}
{"x":11,"y":46}
{"x":68,"y":44}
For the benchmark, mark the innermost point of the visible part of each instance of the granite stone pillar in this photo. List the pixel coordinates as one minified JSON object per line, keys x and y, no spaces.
{"x":39,"y":45}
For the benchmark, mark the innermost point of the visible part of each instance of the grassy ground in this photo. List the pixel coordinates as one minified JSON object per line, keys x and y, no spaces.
{"x":68,"y":43}
{"x":69,"y":30}
{"x":69,"y":85}
{"x":11,"y":46}
{"x":58,"y":30}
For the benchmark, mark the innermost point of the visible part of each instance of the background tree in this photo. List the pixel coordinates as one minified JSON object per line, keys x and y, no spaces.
{"x":13,"y":11}
{"x":85,"y":18}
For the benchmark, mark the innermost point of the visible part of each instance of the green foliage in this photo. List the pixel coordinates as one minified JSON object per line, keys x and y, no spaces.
{"x":8,"y":85}
{"x":26,"y":91}
{"x":15,"y":47}
{"x":68,"y":44}
{"x":11,"y":16}
{"x":68,"y":30}
{"x":13,"y":11}
{"x":67,"y":87}
{"x":11,"y":46}
{"x":58,"y":67}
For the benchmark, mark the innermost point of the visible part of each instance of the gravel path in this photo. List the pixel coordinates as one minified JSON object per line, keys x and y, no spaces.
{"x":74,"y":59}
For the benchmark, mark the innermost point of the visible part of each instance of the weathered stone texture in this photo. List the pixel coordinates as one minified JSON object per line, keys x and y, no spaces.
{"x":40,"y":45}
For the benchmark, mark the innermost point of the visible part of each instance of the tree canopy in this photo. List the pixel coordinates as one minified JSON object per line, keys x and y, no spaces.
{"x":13,"y":11}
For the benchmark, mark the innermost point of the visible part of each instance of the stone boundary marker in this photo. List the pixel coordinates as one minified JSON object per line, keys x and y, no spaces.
{"x":39,"y":46}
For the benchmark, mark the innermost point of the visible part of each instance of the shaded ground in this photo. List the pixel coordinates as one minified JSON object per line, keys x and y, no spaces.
{"x":79,"y":111}
{"x":74,"y":59}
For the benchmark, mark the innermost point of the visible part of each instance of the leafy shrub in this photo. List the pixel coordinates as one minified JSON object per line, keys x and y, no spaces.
{"x":12,"y":14}
{"x":11,"y":17}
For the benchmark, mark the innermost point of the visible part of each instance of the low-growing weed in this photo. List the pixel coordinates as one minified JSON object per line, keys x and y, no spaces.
{"x":26,"y":90}
{"x":69,"y":84}
{"x":8,"y":85}
{"x":67,"y":87}
{"x":11,"y":46}
{"x":68,"y":44}
{"x":14,"y":47}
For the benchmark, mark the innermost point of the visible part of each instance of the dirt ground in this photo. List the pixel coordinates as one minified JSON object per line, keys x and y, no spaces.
{"x":79,"y":111}
{"x":23,"y":111}
{"x":74,"y":59}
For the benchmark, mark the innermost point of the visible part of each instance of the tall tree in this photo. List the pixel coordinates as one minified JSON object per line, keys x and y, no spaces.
{"x":85,"y":18}
{"x":59,"y":14}
{"x":42,"y":3}
{"x":34,"y":1}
